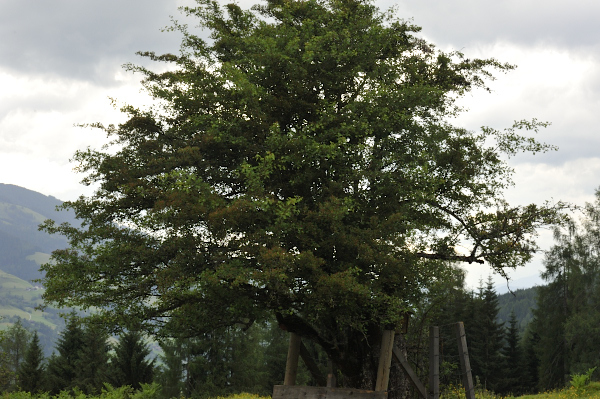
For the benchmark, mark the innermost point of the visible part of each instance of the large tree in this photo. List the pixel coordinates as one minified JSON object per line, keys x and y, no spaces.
{"x":567,"y":315}
{"x":299,"y":162}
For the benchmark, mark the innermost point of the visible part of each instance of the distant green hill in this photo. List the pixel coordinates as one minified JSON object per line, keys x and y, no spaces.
{"x":522,"y":302}
{"x":22,"y":247}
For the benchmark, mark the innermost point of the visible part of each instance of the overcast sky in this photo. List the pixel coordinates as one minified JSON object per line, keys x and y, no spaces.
{"x":60,"y":61}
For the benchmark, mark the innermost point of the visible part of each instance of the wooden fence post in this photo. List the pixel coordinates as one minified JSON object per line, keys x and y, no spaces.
{"x":465,"y":364}
{"x":385,"y":361}
{"x":434,"y":362}
{"x":291,"y":366}
{"x":331,"y":370}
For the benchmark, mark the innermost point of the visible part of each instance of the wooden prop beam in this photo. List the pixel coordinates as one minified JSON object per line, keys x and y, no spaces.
{"x":465,"y":364}
{"x":311,"y":365}
{"x":412,"y":376}
{"x":385,"y":361}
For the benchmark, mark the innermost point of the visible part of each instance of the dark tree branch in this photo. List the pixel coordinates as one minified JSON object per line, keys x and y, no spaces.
{"x":460,"y":258}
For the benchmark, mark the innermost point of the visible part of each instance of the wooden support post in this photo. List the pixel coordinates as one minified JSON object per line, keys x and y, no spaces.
{"x":331,"y":379}
{"x":291,"y":366}
{"x":434,"y":362}
{"x":409,"y":372}
{"x":465,"y":364}
{"x":385,"y":361}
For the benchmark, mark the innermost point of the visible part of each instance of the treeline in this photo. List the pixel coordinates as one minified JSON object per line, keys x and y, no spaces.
{"x":545,"y":345}
{"x":83,"y":360}
{"x":496,"y":351}
{"x":242,"y":359}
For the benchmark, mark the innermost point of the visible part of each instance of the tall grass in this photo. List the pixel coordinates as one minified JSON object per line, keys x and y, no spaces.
{"x":148,"y":391}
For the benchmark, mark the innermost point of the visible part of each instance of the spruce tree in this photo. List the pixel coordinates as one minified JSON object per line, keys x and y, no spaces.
{"x":514,"y":370}
{"x":62,"y":368}
{"x":31,"y":370}
{"x":530,"y":342}
{"x":129,"y":365}
{"x":487,"y":339}
{"x":92,"y":362}
{"x":170,"y":371}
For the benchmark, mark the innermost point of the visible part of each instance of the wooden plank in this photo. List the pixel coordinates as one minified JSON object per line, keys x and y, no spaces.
{"x":465,"y":364}
{"x":291,"y":366}
{"x":412,"y":376}
{"x":304,"y":392}
{"x":311,"y":365}
{"x":385,"y":361}
{"x":434,"y":362}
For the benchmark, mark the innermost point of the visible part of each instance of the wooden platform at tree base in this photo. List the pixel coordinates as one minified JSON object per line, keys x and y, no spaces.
{"x":305,"y":392}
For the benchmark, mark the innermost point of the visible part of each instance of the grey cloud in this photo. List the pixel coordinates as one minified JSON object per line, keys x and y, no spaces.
{"x":70,"y":38}
{"x":462,"y":23}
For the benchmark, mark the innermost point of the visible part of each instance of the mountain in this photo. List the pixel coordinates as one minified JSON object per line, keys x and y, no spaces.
{"x":23,"y":248}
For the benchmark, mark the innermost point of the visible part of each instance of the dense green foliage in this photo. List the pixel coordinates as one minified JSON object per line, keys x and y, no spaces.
{"x":300,"y":163}
{"x":63,"y":367}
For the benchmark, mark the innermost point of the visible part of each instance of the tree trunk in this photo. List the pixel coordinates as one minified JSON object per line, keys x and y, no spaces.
{"x":355,"y":355}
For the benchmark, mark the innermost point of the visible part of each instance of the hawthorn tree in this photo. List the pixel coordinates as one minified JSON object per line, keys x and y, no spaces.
{"x":299,"y":162}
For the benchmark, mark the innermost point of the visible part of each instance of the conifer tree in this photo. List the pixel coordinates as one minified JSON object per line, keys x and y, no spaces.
{"x":170,"y":371}
{"x":530,"y":342}
{"x":129,"y":364}
{"x":512,"y":381}
{"x":92,"y":361}
{"x":486,"y":338}
{"x":31,"y":371}
{"x":62,"y":368}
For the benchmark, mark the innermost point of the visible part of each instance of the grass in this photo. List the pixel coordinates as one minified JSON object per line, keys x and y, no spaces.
{"x":590,"y":391}
{"x":7,"y":212}
{"x":149,"y":391}
{"x":39,"y":257}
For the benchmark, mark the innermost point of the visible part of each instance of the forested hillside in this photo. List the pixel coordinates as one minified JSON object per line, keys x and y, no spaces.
{"x":522,"y":302}
{"x":23,"y":248}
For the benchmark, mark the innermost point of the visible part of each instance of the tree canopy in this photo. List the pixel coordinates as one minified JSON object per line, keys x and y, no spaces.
{"x":301,"y":162}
